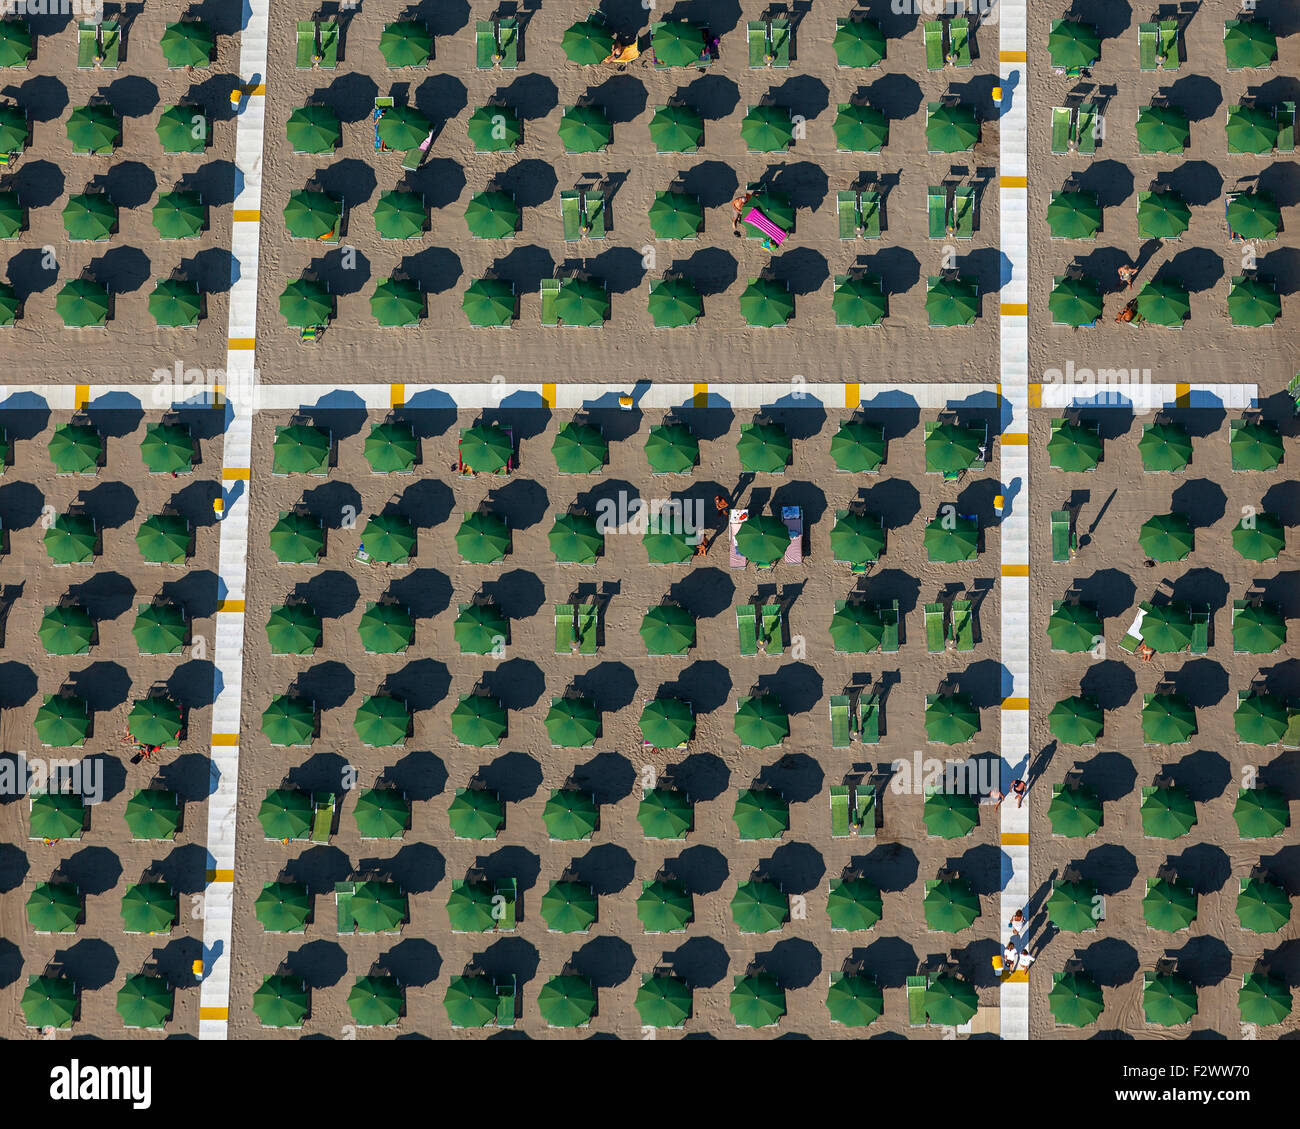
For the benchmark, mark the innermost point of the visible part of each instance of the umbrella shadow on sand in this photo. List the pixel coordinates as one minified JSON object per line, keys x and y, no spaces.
{"x":91,"y":963}
{"x":414,"y":961}
{"x":795,"y":963}
{"x":322,"y":964}
{"x":701,"y":869}
{"x":702,"y":962}
{"x":607,"y":869}
{"x":513,"y":776}
{"x":798,"y":867}
{"x":607,"y":776}
{"x":421,"y":775}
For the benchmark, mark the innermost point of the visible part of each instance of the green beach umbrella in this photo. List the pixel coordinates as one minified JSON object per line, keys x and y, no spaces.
{"x":476,"y":813}
{"x":761,"y":813}
{"x":1073,"y":45}
{"x":1254,"y":215}
{"x":1074,"y":628}
{"x":175,"y":303}
{"x":1167,"y":537}
{"x":855,"y":1001}
{"x":573,"y":723}
{"x":1165,"y":447}
{"x":397,"y":302}
{"x":671,"y":448}
{"x":1263,"y":906}
{"x":155,"y":721}
{"x":71,"y":539}
{"x":305,"y":303}
{"x":62,"y":722}
{"x":473,"y":906}
{"x":92,"y":129}
{"x":1255,"y":446}
{"x":860,"y":129}
{"x":766,"y":303}
{"x":569,"y":907}
{"x":471,"y":1001}
{"x":289,"y":720}
{"x":382,"y":813}
{"x":1162,"y":129}
{"x":567,"y":1001}
{"x":187,"y":43}
{"x":764,"y":448}
{"x":153,"y":814}
{"x":15,"y":43}
{"x":1261,"y":813}
{"x":857,"y":537}
{"x":57,"y":815}
{"x":664,"y":906}
{"x":478,"y":720}
{"x":579,"y":448}
{"x":167,"y":448}
{"x":1073,"y":215}
{"x":164,"y":539}
{"x":89,"y":217}
{"x":184,"y":129}
{"x":763,"y":539}
{"x":761,"y":722}
{"x":1074,"y":447}
{"x":663,"y":1001}
{"x":389,"y":538}
{"x":570,"y":814}
{"x":1167,"y":719}
{"x":667,"y":723}
{"x":486,"y":448}
{"x":82,"y":304}
{"x":54,"y":907}
{"x":479,"y":629}
{"x":1076,"y":721}
{"x":1075,"y":1000}
{"x":858,"y":447}
{"x":575,"y":539}
{"x":493,"y":129}
{"x":285,"y":813}
{"x":853,"y":904}
{"x":1261,"y":719}
{"x":767,"y":129}
{"x":1259,"y":537}
{"x":951,"y":719}
{"x":379,"y":907}
{"x":587,"y":42}
{"x":1167,"y":628}
{"x":313,"y":129}
{"x":858,"y":43}
{"x":1258,"y":629}
{"x":403,"y":127}
{"x":856,"y":629}
{"x":1076,"y":302}
{"x":1263,"y":1000}
{"x":400,"y":215}
{"x":376,"y":1001}
{"x":49,"y":1001}
{"x":1253,"y":302}
{"x":676,"y":129}
{"x":482,"y":538}
{"x":950,"y":815}
{"x":13,"y":129}
{"x":952,"y":301}
{"x":582,"y":302}
{"x":1249,"y":43}
{"x":11,"y":211}
{"x":1162,"y":215}
{"x":759,"y":906}
{"x":951,"y":905}
{"x":382,"y":721}
{"x":1169,"y":906}
{"x":1168,"y":813}
{"x":757,"y":1000}
{"x":1074,"y":907}
{"x":1075,"y":813}
{"x":676,"y":215}
{"x":312,"y":215}
{"x":951,"y":129}
{"x":665,"y":543}
{"x":950,"y":1002}
{"x":489,"y":303}
{"x":66,"y":630}
{"x":585,"y":129}
{"x":297,"y":538}
{"x":9,"y":306}
{"x":391,"y":448}
{"x":145,"y":1001}
{"x":676,"y":43}
{"x":948,"y":540}
{"x":492,"y":215}
{"x":405,"y":43}
{"x":1251,"y":129}
{"x":858,"y":302}
{"x":281,"y":1001}
{"x":149,"y":907}
{"x":951,"y":448}
{"x":665,"y":813}
{"x":283,"y":907}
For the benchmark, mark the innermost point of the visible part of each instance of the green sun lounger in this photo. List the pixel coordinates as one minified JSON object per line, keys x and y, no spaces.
{"x":934,"y":632}
{"x":1062,"y":540}
{"x":1062,"y":127}
{"x":508,"y":891}
{"x":1200,"y":644}
{"x":508,"y":40}
{"x":869,"y":723}
{"x":933,"y":32}
{"x":840,"y":731}
{"x":839,"y":810}
{"x":770,"y":629}
{"x":571,"y":214}
{"x":889,"y":616}
{"x":110,"y":45}
{"x":587,"y":620}
{"x":864,"y":808}
{"x":959,"y":41}
{"x":343,"y":892}
{"x":963,"y":625}
{"x":564,"y":629}
{"x":936,"y":204}
{"x":916,"y":986}
{"x":87,"y":44}
{"x":869,"y":209}
{"x":757,"y":35}
{"x":1087,"y":128}
{"x":963,"y":208}
{"x":594,"y":203}
{"x":322,"y":816}
{"x":1286,"y":128}
{"x":848,"y":205}
{"x":550,"y":291}
{"x":1169,"y":45}
{"x":505,"y":991}
{"x":1148,"y":46}
{"x":485,"y":45}
{"x":782,"y":39}
{"x":747,"y":626}
{"x":1291,"y":738}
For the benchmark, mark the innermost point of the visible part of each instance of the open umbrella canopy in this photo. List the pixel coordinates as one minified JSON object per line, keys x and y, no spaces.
{"x":858,"y":447}
{"x":155,"y":721}
{"x":1164,"y":302}
{"x":1263,"y":906}
{"x":15,"y":43}
{"x":164,"y":539}
{"x":1169,"y":906}
{"x":479,"y":629}
{"x":1162,"y":129}
{"x":665,"y":813}
{"x":1074,"y":906}
{"x":379,"y":907}
{"x":405,"y":43}
{"x":149,"y":907}
{"x":312,"y":215}
{"x":1162,"y":215}
{"x":764,"y":448}
{"x":858,"y":43}
{"x":1165,"y":447}
{"x":281,"y":1001}
{"x":475,"y":906}
{"x":184,"y":129}
{"x":567,"y":1001}
{"x":11,"y":210}
{"x":1167,"y":537}
{"x":950,"y":815}
{"x":1075,"y":1000}
{"x":49,"y":1001}
{"x":66,"y":629}
{"x":493,"y":129}
{"x":1074,"y":628}
{"x":576,"y":539}
{"x":1167,"y":813}
{"x":1255,"y":446}
{"x":1254,"y":215}
{"x":859,"y":302}
{"x":289,"y":720}
{"x":951,"y":719}
{"x":1074,"y":447}
{"x":671,"y":448}
{"x":482,"y":538}
{"x":397,"y":302}
{"x":950,"y":1002}
{"x":666,"y":542}
{"x":492,"y":215}
{"x":1073,"y":45}
{"x":313,"y":129}
{"x":587,"y":42}
{"x":400,"y":215}
{"x":856,"y":629}
{"x":403,"y":127}
{"x":952,"y":301}
{"x":389,"y":538}
{"x":1075,"y":302}
{"x":569,"y":907}
{"x":579,"y":448}
{"x":1263,"y":1000}
{"x":1261,"y":813}
{"x":950,"y":905}
{"x":476,"y":813}
{"x":297,"y":538}
{"x":1167,"y":628}
{"x":82,"y":303}
{"x":667,"y":723}
{"x":1075,"y":812}
{"x":676,"y":129}
{"x":763,"y":539}
{"x":855,"y":1001}
{"x":759,"y":906}
{"x":757,"y":1000}
{"x":167,"y":448}
{"x":1167,"y":719}
{"x":676,"y":43}
{"x":305,"y":303}
{"x":761,"y":722}
{"x":1074,"y":215}
{"x":392,"y":448}
{"x":376,"y":1001}
{"x":14,"y":131}
{"x":1261,"y":719}
{"x":953,"y":538}
{"x":573,"y":723}
{"x":1258,"y":629}
{"x":676,"y":215}
{"x":674,"y":303}
{"x":766,"y":302}
{"x":283,"y":907}
{"x":9,"y":307}
{"x":761,"y":813}
{"x":486,"y":448}
{"x":853,"y":904}
{"x":951,"y":129}
{"x":951,"y":448}
{"x":187,"y":43}
{"x":1252,"y":302}
{"x":54,"y":907}
{"x":471,"y":1001}
{"x":145,"y":1002}
{"x":1259,"y":537}
{"x":57,"y":815}
{"x":860,"y":129}
{"x":489,"y":303}
{"x":153,"y":813}
{"x":582,"y":302}
{"x":285,"y":813}
{"x":664,"y":906}
{"x":1249,"y":43}
{"x":1251,"y":129}
{"x":479,"y":721}
{"x":62,"y":721}
{"x":93,"y":129}
{"x":89,"y":217}
{"x":585,"y":129}
{"x":663,"y":1001}
{"x":1079,"y":720}
{"x":71,"y":539}
{"x":382,"y":720}
{"x":570,"y":814}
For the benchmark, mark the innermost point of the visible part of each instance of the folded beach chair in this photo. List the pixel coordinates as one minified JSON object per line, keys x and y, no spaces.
{"x":505,"y":990}
{"x":840,"y":810}
{"x":848,"y":205}
{"x":889,"y":616}
{"x":934,"y":632}
{"x":1087,"y":127}
{"x":936,"y":201}
{"x":869,"y":723}
{"x":1286,"y":128}
{"x":322,"y":819}
{"x":840,"y":730}
{"x":792,"y":516}
{"x":963,"y":209}
{"x":747,"y":627}
{"x":550,"y":290}
{"x":87,"y":44}
{"x":869,"y":208}
{"x":1200,"y":643}
{"x":865,"y":800}
{"x":963,"y":625}
{"x":959,"y":41}
{"x":564,"y":629}
{"x":916,"y":986}
{"x":933,"y":32}
{"x":588,"y":614}
{"x":1062,"y":539}
{"x":1148,"y":46}
{"x":1168,"y":45}
{"x":1062,"y":127}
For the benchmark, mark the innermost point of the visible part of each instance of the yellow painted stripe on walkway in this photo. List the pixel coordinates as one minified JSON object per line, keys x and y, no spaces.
{"x":1015,"y":838}
{"x":225,"y":740}
{"x":247,"y":215}
{"x":242,"y":344}
{"x":1015,"y":309}
{"x":259,"y":90}
{"x":1015,"y":570}
{"x":700,"y":399}
{"x":230,"y":606}
{"x":218,"y":395}
{"x":396,"y":395}
{"x":852,"y":396}
{"x":548,"y":395}
{"x":222,"y":1013}
{"x":236,"y":473}
{"x":1013,"y":56}
{"x":1021,"y":977}
{"x":1015,"y":703}
{"x":1183,"y":395}
{"x":1015,"y":439}
{"x":220,"y":876}
{"x":1035,"y":395}
{"x":81,"y":396}
{"x":1013,"y":182}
